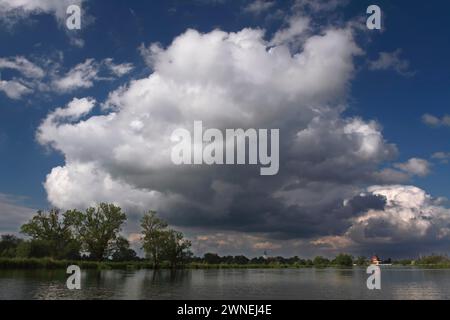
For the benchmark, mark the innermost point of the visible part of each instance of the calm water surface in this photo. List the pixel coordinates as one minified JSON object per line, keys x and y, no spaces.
{"x":397,"y":283}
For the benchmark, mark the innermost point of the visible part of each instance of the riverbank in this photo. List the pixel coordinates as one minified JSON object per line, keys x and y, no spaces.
{"x":47,"y":263}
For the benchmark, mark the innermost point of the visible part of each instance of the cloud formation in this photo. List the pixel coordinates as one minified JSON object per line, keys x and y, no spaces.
{"x":259,"y":6}
{"x":22,"y":65}
{"x":14,"y":89}
{"x":32,"y":78}
{"x":392,"y":61}
{"x":443,"y":157}
{"x":410,"y":221}
{"x":238,"y":82}
{"x":13,"y":10}
{"x":18,"y":87}
{"x":121,"y":153}
{"x":434,"y":121}
{"x":415,"y":167}
{"x":319,"y":5}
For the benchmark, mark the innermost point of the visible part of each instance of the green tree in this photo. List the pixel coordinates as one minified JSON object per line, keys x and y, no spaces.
{"x":321,"y":262}
{"x":213,"y":258}
{"x":154,"y":236}
{"x":241,"y":260}
{"x":433,"y":260}
{"x":361,"y":261}
{"x":123,"y":252}
{"x":23,"y":250}
{"x":52,"y":233}
{"x":176,"y":248}
{"x":98,"y":229}
{"x":8,"y":246}
{"x":343,"y":260}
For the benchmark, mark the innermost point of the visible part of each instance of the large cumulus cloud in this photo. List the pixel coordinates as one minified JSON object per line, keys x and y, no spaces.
{"x":411,"y":221}
{"x":121,"y":153}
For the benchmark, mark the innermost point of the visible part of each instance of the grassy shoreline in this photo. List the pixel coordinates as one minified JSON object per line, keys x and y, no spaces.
{"x":51,"y":264}
{"x":48,"y":263}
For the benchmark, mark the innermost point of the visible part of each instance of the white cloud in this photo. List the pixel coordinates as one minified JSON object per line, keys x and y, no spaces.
{"x":410,"y":221}
{"x":410,"y":213}
{"x":392,"y":61}
{"x":443,"y":157}
{"x":14,"y":89}
{"x":32,"y":77}
{"x":85,"y":74}
{"x":415,"y":166}
{"x":81,"y":76}
{"x":22,"y":65}
{"x":227,"y":80}
{"x":16,"y":9}
{"x":118,"y":70}
{"x":319,"y":5}
{"x":29,"y":72}
{"x":150,"y":53}
{"x":295,"y":30}
{"x":434,"y":121}
{"x":71,"y":186}
{"x":77,"y":42}
{"x":75,"y":109}
{"x":259,"y":6}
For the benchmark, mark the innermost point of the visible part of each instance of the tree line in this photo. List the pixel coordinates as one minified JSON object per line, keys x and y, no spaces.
{"x":94,"y":234}
{"x":343,"y":260}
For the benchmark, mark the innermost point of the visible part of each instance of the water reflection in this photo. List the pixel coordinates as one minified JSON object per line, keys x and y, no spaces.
{"x":397,"y":283}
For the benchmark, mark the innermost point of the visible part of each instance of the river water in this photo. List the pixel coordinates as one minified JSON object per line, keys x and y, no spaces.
{"x":291,"y":284}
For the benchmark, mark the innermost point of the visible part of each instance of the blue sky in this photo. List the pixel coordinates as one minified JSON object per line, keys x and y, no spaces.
{"x":412,"y":82}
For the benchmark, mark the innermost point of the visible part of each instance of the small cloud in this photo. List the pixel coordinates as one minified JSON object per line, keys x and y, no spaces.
{"x":415,"y":167}
{"x":319,"y":5}
{"x":267,"y":245}
{"x":77,"y":42}
{"x":85,"y":74}
{"x":81,"y":76}
{"x":333,"y":242}
{"x":392,"y":61}
{"x":118,"y":70}
{"x":434,"y":121}
{"x":14,"y":89}
{"x":259,"y":6}
{"x":74,"y":110}
{"x":23,"y":66}
{"x":443,"y":157}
